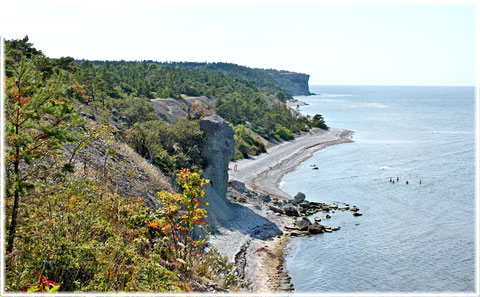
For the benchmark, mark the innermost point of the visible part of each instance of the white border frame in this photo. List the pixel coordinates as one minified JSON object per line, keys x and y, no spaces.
{"x":273,"y":2}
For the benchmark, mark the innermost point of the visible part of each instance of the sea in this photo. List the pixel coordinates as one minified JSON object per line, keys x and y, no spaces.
{"x":415,"y":237}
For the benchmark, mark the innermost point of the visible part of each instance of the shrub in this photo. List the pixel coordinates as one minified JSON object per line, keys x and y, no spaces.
{"x":283,"y":133}
{"x":180,"y":214}
{"x":319,"y":122}
{"x":246,"y":143}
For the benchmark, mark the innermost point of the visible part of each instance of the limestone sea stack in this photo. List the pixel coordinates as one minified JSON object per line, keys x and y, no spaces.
{"x":218,"y":150}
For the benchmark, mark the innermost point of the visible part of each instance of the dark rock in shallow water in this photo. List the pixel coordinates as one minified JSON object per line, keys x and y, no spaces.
{"x":299,"y":197}
{"x":304,"y":204}
{"x":302,"y":224}
{"x":354,"y":209}
{"x":357,"y":214}
{"x":316,"y":228}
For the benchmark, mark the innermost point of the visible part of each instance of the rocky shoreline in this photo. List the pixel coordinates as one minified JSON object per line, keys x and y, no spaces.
{"x":262,"y":174}
{"x":253,"y":224}
{"x":294,"y":218}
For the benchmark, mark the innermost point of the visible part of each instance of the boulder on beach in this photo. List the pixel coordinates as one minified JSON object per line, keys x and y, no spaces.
{"x":275,"y":209}
{"x":238,"y":185}
{"x":290,"y":210}
{"x":266,"y":198}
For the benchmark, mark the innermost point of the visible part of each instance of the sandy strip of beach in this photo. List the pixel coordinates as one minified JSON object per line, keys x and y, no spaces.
{"x":263,"y":173}
{"x":263,"y":252}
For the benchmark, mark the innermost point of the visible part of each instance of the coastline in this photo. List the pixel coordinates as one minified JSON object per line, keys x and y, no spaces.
{"x":264,"y":172}
{"x":263,"y":255}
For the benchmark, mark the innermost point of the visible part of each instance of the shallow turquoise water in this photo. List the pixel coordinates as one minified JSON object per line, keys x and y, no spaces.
{"x":411,"y":238}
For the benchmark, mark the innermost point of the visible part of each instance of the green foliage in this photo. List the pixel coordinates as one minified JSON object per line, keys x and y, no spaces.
{"x":43,"y":285}
{"x":72,"y":231}
{"x":283,"y":133}
{"x":38,"y":121}
{"x":246,"y":143}
{"x":282,"y":95}
{"x":88,"y":239}
{"x":319,"y":122}
{"x":215,"y":265}
{"x":170,"y":147}
{"x":179,"y":215}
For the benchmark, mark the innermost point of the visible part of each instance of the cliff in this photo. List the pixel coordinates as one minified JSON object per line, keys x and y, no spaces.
{"x":218,"y":150}
{"x":296,"y":83}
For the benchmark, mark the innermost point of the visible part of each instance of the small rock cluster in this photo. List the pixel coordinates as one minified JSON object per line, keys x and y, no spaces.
{"x":303,"y":226}
{"x":299,"y":207}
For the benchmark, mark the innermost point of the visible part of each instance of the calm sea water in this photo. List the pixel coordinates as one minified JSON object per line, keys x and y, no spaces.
{"x":411,"y":238}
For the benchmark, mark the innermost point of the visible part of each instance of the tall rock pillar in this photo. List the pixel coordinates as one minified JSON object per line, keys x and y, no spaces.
{"x":218,"y":150}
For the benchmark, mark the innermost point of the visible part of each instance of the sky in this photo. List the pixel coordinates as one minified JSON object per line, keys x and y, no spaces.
{"x":372,"y":43}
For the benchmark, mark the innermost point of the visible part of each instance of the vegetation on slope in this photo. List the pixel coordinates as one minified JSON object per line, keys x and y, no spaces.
{"x":245,"y":96}
{"x":68,"y":226}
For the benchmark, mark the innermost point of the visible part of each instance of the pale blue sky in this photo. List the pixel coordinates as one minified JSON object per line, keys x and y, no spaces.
{"x":336,"y":44}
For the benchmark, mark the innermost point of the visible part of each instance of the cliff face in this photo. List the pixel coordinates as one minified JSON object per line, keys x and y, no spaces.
{"x":218,"y":150}
{"x":296,"y":83}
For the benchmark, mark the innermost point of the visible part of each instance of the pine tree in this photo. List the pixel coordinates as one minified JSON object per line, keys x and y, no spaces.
{"x":37,"y":122}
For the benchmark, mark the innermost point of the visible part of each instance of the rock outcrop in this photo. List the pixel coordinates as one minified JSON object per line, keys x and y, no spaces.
{"x":218,"y":150}
{"x":296,"y":83}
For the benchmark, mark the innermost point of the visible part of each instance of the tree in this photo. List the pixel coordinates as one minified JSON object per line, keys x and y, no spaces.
{"x":180,"y":214}
{"x":319,"y":121}
{"x":38,"y":122}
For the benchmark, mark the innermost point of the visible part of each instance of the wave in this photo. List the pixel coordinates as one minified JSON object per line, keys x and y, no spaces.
{"x":369,"y":104}
{"x":330,"y":100}
{"x":449,"y":132}
{"x":385,"y":168}
{"x":334,"y":95}
{"x":376,"y":105}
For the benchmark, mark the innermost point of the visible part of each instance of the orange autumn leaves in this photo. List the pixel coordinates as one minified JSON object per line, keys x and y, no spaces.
{"x":180,"y":214}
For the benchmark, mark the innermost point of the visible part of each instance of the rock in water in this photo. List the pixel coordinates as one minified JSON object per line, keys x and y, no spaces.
{"x":300,"y":197}
{"x":218,"y":150}
{"x":302,"y":224}
{"x":316,"y":228}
